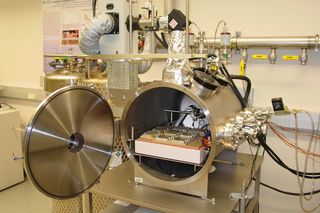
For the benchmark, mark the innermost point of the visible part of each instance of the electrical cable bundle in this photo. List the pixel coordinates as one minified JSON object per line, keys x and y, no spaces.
{"x":262,"y":141}
{"x":271,"y":187}
{"x":301,"y":175}
{"x":288,"y":142}
{"x":292,"y":130}
{"x":162,"y":40}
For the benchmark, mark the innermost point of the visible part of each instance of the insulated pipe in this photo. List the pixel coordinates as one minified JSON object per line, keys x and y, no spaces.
{"x":267,"y":42}
{"x":90,"y":36}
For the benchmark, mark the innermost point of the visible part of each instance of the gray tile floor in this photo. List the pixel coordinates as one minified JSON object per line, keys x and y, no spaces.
{"x":24,"y":198}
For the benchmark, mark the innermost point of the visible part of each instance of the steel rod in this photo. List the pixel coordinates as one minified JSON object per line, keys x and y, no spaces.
{"x":152,"y":43}
{"x":187,"y":27}
{"x":130,"y":28}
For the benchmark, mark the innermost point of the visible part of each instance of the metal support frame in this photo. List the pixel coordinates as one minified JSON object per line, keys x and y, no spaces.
{"x":87,"y":202}
{"x":247,"y":203}
{"x":119,"y":184}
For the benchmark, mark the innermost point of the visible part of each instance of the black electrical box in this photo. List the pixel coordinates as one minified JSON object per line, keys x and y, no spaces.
{"x":277,"y":104}
{"x":176,"y":20}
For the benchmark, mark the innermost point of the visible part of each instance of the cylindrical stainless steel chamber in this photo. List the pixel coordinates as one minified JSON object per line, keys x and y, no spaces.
{"x":149,"y":109}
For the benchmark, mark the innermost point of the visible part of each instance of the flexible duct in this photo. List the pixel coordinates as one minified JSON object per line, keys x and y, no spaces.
{"x":177,"y":70}
{"x":90,"y":36}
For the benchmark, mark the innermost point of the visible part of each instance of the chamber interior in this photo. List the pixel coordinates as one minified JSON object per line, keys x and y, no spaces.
{"x":168,"y":133}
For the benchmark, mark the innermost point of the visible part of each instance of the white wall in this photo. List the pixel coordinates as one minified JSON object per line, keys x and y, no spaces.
{"x":21,"y":64}
{"x":21,"y":43}
{"x":21,"y":49}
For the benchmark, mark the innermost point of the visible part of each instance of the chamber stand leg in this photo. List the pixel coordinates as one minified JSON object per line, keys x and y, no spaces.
{"x":257,"y":190}
{"x":242,"y":206}
{"x":242,"y":197}
{"x":253,"y":205}
{"x":209,"y":200}
{"x":87,"y":202}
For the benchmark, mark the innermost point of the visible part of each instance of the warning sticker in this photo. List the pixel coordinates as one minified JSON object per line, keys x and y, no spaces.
{"x":173,"y":23}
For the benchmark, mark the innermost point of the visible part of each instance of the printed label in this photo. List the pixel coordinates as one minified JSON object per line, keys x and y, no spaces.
{"x":173,"y":23}
{"x":290,"y":57}
{"x":138,"y":179}
{"x":259,"y":56}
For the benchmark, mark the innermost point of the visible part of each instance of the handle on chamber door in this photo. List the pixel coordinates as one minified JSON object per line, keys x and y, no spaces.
{"x":248,"y":89}
{"x":15,"y":157}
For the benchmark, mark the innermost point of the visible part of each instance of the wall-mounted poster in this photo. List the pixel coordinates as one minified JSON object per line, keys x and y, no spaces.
{"x":62,"y":23}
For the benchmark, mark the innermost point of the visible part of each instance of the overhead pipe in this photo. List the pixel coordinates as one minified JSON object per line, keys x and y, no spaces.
{"x":267,"y":42}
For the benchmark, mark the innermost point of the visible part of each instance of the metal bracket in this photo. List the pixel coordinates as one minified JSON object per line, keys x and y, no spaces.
{"x":239,"y":196}
{"x":210,"y":200}
{"x":15,"y":157}
{"x":242,"y":197}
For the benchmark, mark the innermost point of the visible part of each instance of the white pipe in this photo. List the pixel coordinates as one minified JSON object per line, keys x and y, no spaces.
{"x":90,"y":36}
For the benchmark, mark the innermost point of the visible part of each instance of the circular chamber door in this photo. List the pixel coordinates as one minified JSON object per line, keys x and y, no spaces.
{"x":69,"y":141}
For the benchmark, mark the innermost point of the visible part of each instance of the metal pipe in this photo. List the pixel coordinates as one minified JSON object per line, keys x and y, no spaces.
{"x":152,"y":44}
{"x":130,"y":28}
{"x":266,"y":42}
{"x":273,"y":56}
{"x":303,"y":57}
{"x":187,"y":27}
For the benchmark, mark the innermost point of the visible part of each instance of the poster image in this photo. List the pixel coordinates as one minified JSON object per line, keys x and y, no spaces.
{"x":70,"y":37}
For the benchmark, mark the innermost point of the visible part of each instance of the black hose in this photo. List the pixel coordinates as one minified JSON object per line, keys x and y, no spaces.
{"x":248,"y":89}
{"x":233,"y":86}
{"x":262,"y":140}
{"x":164,"y":40}
{"x":164,"y":44}
{"x":288,"y":193}
{"x":94,"y":6}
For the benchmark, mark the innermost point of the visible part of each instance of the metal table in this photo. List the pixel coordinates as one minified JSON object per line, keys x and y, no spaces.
{"x":227,"y":178}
